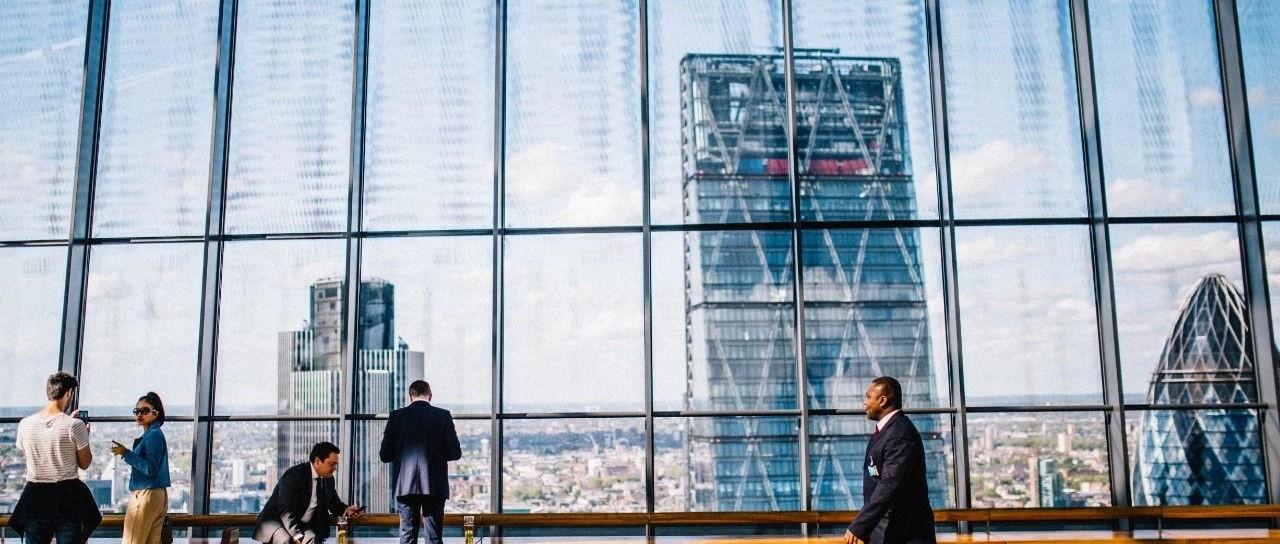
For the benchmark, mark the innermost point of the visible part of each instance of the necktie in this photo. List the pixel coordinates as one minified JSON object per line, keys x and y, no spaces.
{"x":875,"y":434}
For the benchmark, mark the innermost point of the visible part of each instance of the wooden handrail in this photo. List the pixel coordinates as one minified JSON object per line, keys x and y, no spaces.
{"x":973,"y":515}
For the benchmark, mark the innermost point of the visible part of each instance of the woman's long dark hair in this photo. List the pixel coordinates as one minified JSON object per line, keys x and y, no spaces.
{"x":156,"y":404}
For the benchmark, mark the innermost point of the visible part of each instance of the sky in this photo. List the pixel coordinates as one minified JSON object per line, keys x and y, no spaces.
{"x":573,"y":303}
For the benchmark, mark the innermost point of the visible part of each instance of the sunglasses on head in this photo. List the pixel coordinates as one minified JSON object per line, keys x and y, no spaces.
{"x":142,"y":411}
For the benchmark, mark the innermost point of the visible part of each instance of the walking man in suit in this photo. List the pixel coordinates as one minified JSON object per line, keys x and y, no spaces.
{"x":299,"y":508}
{"x":895,"y":491}
{"x":419,"y":442}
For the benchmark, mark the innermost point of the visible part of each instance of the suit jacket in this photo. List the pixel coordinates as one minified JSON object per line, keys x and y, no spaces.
{"x":419,"y":442}
{"x":895,"y":498}
{"x":289,"y":502}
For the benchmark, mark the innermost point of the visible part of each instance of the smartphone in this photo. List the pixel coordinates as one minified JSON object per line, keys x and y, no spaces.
{"x":83,"y":415}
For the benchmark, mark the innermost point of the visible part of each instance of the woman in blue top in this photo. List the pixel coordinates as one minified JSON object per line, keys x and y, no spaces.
{"x":149,"y":479}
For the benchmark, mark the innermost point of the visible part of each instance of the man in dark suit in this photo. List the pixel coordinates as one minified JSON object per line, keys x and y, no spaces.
{"x":895,"y":491}
{"x":419,"y":442}
{"x":299,"y":507}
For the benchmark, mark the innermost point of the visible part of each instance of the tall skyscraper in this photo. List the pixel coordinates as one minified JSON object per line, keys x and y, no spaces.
{"x":866,"y":310}
{"x":310,"y":363}
{"x":1046,"y":483}
{"x":1203,"y":456}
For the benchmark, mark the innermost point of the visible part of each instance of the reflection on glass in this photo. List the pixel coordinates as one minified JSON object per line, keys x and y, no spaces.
{"x":1180,"y":308}
{"x":573,"y":323}
{"x":41,"y":70}
{"x":141,"y":327}
{"x":156,"y":112}
{"x":873,"y":307}
{"x":837,"y":449}
{"x":429,"y":131}
{"x":728,"y":464}
{"x":436,"y":302}
{"x":289,"y":162}
{"x":573,"y":113}
{"x":887,"y":154}
{"x":1271,"y":241}
{"x":281,"y":327}
{"x":469,"y":479}
{"x":1259,"y":22}
{"x":677,"y":29}
{"x":723,"y":318}
{"x":251,"y":456}
{"x":1164,"y":146}
{"x":1038,"y":460}
{"x":108,"y":476}
{"x":1189,"y":457}
{"x":1028,"y":316}
{"x":31,"y":293}
{"x":1013,"y":116}
{"x":573,"y":465}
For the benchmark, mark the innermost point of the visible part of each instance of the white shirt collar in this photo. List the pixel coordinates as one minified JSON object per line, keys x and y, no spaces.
{"x":884,"y":419}
{"x":314,"y":475}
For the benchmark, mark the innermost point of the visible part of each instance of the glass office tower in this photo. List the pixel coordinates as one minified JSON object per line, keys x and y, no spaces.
{"x":865,"y":300}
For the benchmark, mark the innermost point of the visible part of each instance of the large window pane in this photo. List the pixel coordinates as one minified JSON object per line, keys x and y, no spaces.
{"x":157,"y":106}
{"x":838,"y":444}
{"x":1013,"y":118}
{"x":718,"y":120}
{"x":141,"y":327}
{"x":873,"y":307}
{"x":469,"y":479}
{"x":31,"y":293}
{"x":1260,"y":43}
{"x":573,"y":113}
{"x":291,"y":118}
{"x":1164,"y":146}
{"x":1181,"y":314}
{"x":251,"y":456}
{"x":429,"y":131}
{"x":281,"y":327}
{"x":882,"y":165}
{"x":41,"y":74}
{"x":727,"y":464}
{"x":1028,"y":317}
{"x":574,"y":323}
{"x":108,"y":476}
{"x":1181,"y":457}
{"x":1271,"y":241}
{"x":1038,"y":460}
{"x":724,"y":321}
{"x":573,"y":465}
{"x":427,"y":300}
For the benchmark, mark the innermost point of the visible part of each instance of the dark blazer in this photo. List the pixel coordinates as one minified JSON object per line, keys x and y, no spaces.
{"x":289,"y":501}
{"x":895,"y":501}
{"x":419,"y":442}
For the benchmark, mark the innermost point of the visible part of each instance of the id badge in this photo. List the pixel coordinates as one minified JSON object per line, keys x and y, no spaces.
{"x":871,"y":469}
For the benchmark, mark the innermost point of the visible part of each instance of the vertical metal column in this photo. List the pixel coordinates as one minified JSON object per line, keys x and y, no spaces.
{"x":499,"y":221}
{"x":1250,"y":228}
{"x":646,"y":235}
{"x":946,"y":212}
{"x":355,"y":223}
{"x":1104,"y":288}
{"x":797,"y":267}
{"x":95,"y":57}
{"x":211,"y":285}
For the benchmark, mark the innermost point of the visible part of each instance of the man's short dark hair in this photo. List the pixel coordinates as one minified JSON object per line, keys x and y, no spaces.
{"x":322,"y":450}
{"x":60,"y":383}
{"x":419,"y":388}
{"x":891,"y":389}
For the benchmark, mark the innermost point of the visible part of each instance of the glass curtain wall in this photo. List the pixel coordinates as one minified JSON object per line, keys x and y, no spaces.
{"x":650,"y":253}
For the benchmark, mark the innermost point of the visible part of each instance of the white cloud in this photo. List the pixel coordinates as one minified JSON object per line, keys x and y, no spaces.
{"x":1206,"y":97}
{"x":1275,"y":127}
{"x":1258,"y":95}
{"x":1142,"y":193}
{"x":990,"y":250}
{"x":546,"y":177}
{"x":994,"y":166}
{"x":1170,"y":252}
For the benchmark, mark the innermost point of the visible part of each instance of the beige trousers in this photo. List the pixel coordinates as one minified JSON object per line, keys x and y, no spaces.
{"x":145,"y":516}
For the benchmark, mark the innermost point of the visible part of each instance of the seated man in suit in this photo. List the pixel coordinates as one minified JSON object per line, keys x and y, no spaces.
{"x":299,"y":508}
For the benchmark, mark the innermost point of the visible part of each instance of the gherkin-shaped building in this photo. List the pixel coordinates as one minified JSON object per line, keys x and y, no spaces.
{"x":1209,"y":456}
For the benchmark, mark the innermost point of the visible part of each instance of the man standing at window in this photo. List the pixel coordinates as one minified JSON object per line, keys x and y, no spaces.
{"x":419,"y":442}
{"x":895,"y":490}
{"x":299,"y":508}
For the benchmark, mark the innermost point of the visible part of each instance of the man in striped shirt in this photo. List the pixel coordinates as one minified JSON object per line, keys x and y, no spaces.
{"x":55,"y":503}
